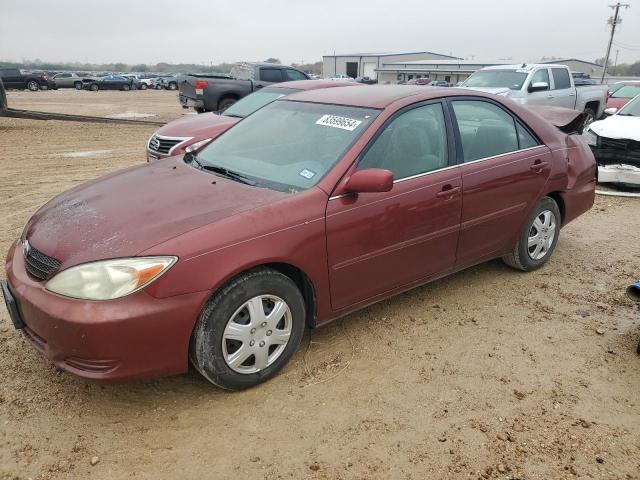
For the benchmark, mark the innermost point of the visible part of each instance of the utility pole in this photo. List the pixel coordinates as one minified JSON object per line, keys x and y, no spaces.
{"x":615,"y":20}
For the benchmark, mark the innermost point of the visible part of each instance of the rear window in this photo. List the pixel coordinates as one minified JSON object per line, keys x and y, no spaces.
{"x":628,"y":91}
{"x":561,"y":78}
{"x":256,"y":101}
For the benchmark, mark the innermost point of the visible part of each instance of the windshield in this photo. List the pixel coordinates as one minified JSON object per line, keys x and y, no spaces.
{"x":256,"y":101}
{"x":628,"y":91}
{"x":288,"y":146}
{"x":511,"y":79}
{"x":631,"y":109}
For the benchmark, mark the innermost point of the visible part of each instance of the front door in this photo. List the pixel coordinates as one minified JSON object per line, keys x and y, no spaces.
{"x":379,"y":242}
{"x":505,"y":168}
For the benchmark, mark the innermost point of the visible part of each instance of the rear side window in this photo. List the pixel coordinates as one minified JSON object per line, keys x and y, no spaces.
{"x":271,"y":75}
{"x":413,"y":143}
{"x":294,"y":75}
{"x":525,"y":139}
{"x":561,"y":78}
{"x":486,"y":130}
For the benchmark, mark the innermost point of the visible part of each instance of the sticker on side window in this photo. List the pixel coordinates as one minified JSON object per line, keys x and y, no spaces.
{"x":339,"y":122}
{"x":306,"y":173}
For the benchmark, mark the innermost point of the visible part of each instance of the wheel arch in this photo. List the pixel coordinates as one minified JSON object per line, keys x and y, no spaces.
{"x":226,"y":96}
{"x":593,"y":105}
{"x":557,"y":197}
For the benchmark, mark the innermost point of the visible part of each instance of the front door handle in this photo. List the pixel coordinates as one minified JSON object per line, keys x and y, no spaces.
{"x":538,"y":166}
{"x":448,"y":191}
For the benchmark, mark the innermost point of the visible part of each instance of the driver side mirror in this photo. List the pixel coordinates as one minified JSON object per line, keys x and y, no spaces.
{"x":369,"y":180}
{"x":610,"y":111}
{"x":538,"y":87}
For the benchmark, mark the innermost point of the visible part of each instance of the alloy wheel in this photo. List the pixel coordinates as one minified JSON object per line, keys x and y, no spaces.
{"x":541,"y":235}
{"x":257,"y":334}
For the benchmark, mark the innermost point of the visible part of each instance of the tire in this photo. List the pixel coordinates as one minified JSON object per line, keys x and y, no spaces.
{"x":158,"y":87}
{"x":544,"y":223}
{"x":126,"y":88}
{"x":227,"y":314}
{"x":33,"y":85}
{"x":78,"y":85}
{"x":226,"y":103}
{"x":589,"y":118}
{"x":199,"y":109}
{"x":173,"y":86}
{"x":94,"y":87}
{"x":143,"y":86}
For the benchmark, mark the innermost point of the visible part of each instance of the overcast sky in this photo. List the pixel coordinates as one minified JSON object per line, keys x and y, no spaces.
{"x":213,"y":31}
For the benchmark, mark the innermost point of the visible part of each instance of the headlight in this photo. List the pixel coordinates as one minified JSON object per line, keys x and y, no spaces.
{"x":109,"y":279}
{"x":590,"y":137}
{"x":195,"y":146}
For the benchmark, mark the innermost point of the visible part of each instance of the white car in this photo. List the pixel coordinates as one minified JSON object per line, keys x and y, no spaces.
{"x":615,"y":142}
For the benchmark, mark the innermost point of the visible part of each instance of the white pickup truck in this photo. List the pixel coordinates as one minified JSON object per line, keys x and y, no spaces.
{"x":541,"y":84}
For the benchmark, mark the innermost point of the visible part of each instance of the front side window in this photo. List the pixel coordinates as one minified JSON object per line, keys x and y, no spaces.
{"x":540,"y":76}
{"x":294,"y":75}
{"x":415,"y":142}
{"x":561,"y":78}
{"x":511,"y":79}
{"x":257,"y":100}
{"x":271,"y":75}
{"x":486,"y":130}
{"x":288,"y":146}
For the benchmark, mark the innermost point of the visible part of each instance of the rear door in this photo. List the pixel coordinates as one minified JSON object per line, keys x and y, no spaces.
{"x":269,"y":75}
{"x":12,"y":78}
{"x":378,"y":242}
{"x":564,"y":94}
{"x":504,"y":171}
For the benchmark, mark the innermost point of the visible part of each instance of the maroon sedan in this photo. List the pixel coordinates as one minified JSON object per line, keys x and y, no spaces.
{"x":317,"y":205}
{"x":191,"y":133}
{"x":623,"y":93}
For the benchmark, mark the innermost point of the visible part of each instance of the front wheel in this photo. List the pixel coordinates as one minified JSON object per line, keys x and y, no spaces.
{"x":126,"y":88}
{"x":94,"y":87}
{"x":78,"y":85}
{"x":249,"y":330}
{"x":538,"y":238}
{"x":589,"y":118}
{"x":173,"y":86}
{"x":143,"y":86}
{"x":33,"y":85}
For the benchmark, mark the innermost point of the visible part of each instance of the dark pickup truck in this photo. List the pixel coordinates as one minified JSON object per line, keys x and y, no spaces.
{"x":14,"y":78}
{"x":215,"y":93}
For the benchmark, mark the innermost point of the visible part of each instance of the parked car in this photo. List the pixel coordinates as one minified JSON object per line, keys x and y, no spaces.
{"x":540,"y":84}
{"x":438,"y":83}
{"x":70,"y":80}
{"x":342,"y":78}
{"x":169,"y":83}
{"x":315,"y":206}
{"x":215,"y":93}
{"x":136,"y":82}
{"x":580,"y":79}
{"x":621,"y":94}
{"x":615,"y":142}
{"x":13,"y":78}
{"x":192,"y":133}
{"x":416,"y":81}
{"x":110,"y":82}
{"x":366,"y":80}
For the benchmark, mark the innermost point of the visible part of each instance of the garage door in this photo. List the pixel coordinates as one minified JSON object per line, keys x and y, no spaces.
{"x":369,"y":69}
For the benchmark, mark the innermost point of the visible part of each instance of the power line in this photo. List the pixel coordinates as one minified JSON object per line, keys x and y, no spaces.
{"x":614,"y":21}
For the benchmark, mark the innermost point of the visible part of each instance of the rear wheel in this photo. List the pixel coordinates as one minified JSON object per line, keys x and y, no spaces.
{"x":126,"y":88}
{"x":94,"y":87}
{"x":78,"y":85}
{"x":225,"y":103}
{"x":249,"y":330}
{"x":33,"y":85}
{"x":538,"y":238}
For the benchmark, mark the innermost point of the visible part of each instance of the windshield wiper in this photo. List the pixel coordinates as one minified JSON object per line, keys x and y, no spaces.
{"x":225,"y":172}
{"x":627,"y":115}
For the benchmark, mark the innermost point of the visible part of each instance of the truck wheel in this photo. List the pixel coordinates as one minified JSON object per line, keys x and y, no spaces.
{"x":225,"y":103}
{"x":33,"y":85}
{"x":173,"y":86}
{"x":589,"y":118}
{"x":78,"y":85}
{"x":94,"y":87}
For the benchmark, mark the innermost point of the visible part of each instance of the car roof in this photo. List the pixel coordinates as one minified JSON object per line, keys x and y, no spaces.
{"x":371,"y":96}
{"x":313,"y":84}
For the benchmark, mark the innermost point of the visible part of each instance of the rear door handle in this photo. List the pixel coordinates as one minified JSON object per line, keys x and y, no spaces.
{"x":538,"y":166}
{"x":448,"y":191}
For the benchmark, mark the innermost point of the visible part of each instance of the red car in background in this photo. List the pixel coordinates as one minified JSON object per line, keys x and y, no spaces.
{"x":317,"y":205}
{"x":622,"y":93}
{"x":193,"y":132}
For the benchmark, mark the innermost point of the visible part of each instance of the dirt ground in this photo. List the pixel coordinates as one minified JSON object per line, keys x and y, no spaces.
{"x":490,"y":373}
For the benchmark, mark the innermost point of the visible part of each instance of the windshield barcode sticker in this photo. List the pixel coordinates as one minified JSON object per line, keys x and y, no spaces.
{"x":339,"y":122}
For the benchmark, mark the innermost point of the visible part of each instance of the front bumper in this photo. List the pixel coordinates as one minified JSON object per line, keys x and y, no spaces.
{"x":137,"y":336}
{"x":627,"y":174}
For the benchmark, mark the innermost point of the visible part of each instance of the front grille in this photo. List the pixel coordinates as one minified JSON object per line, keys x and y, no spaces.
{"x":164,"y":145}
{"x":40,"y":265}
{"x":616,"y":151}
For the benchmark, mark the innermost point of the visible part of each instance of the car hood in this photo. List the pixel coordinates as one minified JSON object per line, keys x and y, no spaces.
{"x":130,"y":211}
{"x":618,"y":127}
{"x":495,"y":91}
{"x":204,"y":125}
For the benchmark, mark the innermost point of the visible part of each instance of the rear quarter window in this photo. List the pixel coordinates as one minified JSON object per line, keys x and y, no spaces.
{"x":561,"y":78}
